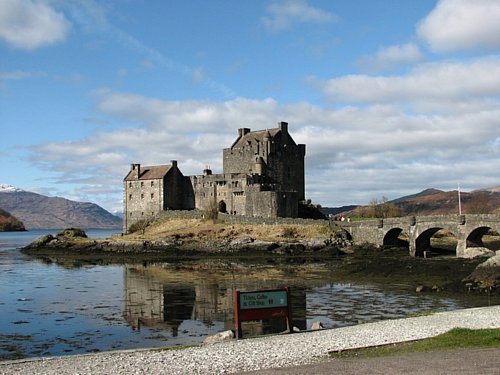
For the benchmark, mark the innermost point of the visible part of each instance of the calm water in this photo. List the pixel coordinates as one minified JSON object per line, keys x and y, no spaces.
{"x":50,"y":308}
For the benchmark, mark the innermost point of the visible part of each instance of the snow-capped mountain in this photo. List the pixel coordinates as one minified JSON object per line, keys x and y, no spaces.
{"x":6,"y":188}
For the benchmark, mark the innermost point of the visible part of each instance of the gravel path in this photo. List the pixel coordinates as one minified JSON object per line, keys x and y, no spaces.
{"x":258,"y":353}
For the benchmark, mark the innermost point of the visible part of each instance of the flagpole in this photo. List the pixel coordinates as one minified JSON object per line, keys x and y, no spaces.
{"x":459,"y":202}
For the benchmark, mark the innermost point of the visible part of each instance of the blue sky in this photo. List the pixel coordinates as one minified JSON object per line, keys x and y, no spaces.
{"x":389,"y":96}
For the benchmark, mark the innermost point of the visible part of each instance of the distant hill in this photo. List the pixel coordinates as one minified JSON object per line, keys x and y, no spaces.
{"x":39,"y":211}
{"x":446,"y":202}
{"x":423,"y":193}
{"x":438,"y":202}
{"x":9,"y":223}
{"x":327,"y":211}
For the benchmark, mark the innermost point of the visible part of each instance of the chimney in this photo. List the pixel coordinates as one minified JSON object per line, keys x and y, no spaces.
{"x":174,"y":163}
{"x":136,"y":168}
{"x":283,"y":126}
{"x":243,"y":131}
{"x":207,"y":171}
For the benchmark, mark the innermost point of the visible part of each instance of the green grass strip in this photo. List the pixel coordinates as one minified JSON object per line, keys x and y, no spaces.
{"x":457,"y":338}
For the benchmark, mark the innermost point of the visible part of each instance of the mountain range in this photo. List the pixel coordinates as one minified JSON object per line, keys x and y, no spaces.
{"x":40,"y":211}
{"x":438,"y":202}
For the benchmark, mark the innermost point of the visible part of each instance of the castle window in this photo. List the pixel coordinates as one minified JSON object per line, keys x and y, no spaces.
{"x":152,"y":183}
{"x":129,"y":184}
{"x":152,"y":195}
{"x":130,"y":214}
{"x":130,"y":197}
{"x":142,"y":196}
{"x":142,"y":213}
{"x":142,"y":183}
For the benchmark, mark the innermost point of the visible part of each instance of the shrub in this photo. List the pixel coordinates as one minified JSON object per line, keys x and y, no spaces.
{"x":140,"y":225}
{"x":289,"y":232}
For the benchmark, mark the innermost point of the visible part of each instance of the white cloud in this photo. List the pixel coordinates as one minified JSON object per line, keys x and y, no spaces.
{"x":283,"y":14}
{"x":445,"y":86}
{"x":16,"y":75}
{"x":27,"y":24}
{"x":353,"y":153}
{"x":198,"y":75}
{"x":459,"y":25}
{"x":391,"y":57}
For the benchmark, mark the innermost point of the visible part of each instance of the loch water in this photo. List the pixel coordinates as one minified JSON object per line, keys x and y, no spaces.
{"x":55,"y":308}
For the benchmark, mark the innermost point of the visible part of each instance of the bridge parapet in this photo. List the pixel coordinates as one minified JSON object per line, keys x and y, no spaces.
{"x":484,"y":218}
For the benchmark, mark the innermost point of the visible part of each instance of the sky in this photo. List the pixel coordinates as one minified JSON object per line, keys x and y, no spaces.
{"x":390,"y":96}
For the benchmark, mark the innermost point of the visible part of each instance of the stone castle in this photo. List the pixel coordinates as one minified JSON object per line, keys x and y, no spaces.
{"x":263,"y":176}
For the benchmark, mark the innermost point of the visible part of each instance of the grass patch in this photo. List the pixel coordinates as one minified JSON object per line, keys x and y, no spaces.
{"x":457,"y":338}
{"x":186,"y":229}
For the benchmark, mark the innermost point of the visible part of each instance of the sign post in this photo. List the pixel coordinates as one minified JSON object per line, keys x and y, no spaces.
{"x":261,"y":304}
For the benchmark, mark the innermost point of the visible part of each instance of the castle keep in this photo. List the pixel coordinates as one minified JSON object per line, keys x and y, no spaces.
{"x":263,"y":176}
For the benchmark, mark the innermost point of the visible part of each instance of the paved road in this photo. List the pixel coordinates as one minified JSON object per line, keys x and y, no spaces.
{"x":463,"y":361}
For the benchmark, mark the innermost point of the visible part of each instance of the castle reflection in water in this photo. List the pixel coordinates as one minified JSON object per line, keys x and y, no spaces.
{"x":163,"y":298}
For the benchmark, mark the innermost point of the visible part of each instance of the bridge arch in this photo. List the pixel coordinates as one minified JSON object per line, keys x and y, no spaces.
{"x":345,"y":234}
{"x":424,"y":246}
{"x":396,"y":237}
{"x":475,"y":238}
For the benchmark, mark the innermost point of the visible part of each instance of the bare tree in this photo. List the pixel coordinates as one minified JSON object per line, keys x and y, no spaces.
{"x":378,"y":209}
{"x":479,"y":204}
{"x":211,"y":210}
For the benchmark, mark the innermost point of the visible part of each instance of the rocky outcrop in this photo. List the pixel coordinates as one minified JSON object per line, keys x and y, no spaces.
{"x":75,"y":240}
{"x":9,"y":223}
{"x":219,"y":337}
{"x":486,"y":275}
{"x":477,"y":252}
{"x":316,"y":326}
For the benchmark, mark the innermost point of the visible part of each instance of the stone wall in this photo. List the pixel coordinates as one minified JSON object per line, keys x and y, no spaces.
{"x":285,"y":166}
{"x":199,"y":214}
{"x":217,"y":188}
{"x":143,"y":200}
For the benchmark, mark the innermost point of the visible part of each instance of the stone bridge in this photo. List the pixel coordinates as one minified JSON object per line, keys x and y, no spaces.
{"x":468,"y":231}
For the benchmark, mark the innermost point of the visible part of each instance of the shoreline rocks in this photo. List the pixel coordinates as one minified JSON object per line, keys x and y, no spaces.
{"x":75,"y":240}
{"x":487,"y":274}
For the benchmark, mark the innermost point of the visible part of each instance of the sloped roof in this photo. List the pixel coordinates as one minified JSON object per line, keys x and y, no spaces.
{"x":253,"y":136}
{"x":154,"y":172}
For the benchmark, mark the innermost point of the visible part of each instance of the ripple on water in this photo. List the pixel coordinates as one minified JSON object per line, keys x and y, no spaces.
{"x":54,"y":309}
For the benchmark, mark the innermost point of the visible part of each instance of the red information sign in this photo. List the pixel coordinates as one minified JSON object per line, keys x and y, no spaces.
{"x":261,"y":304}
